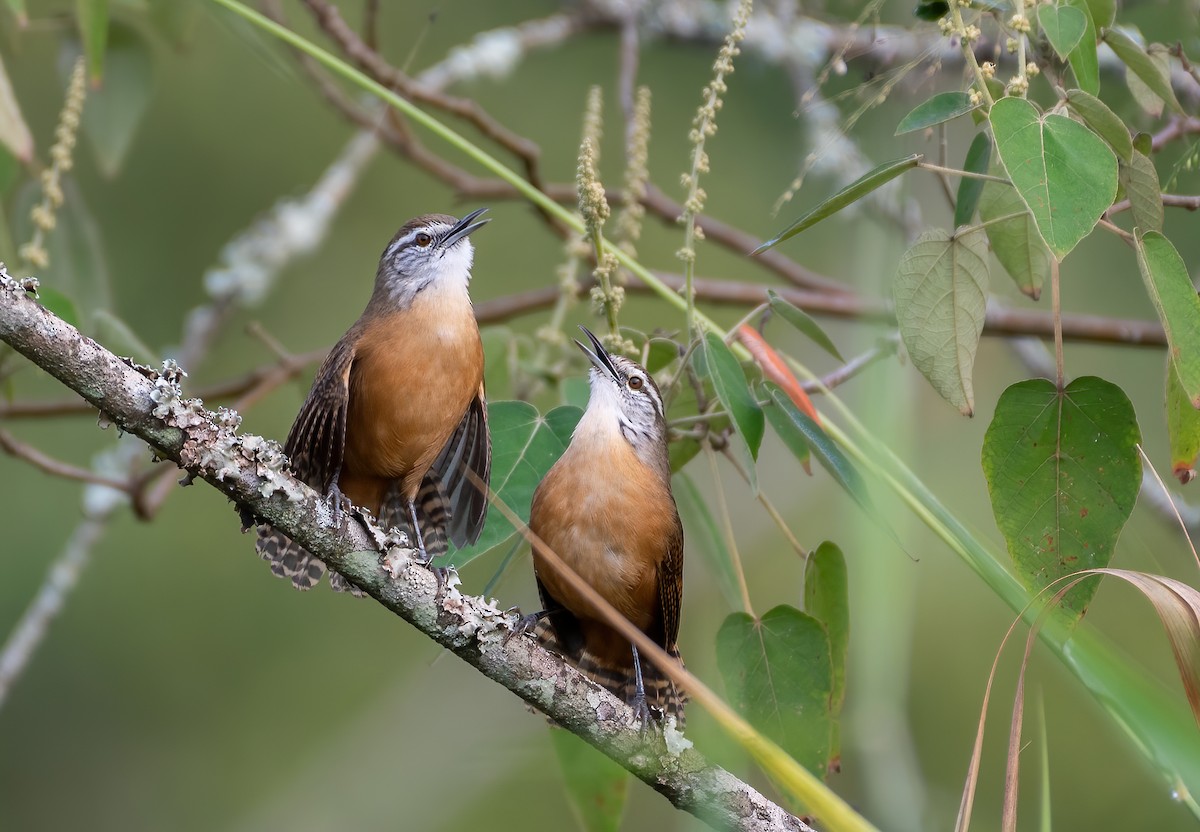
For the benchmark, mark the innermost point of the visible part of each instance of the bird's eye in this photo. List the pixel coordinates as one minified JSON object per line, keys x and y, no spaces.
{"x":423,"y":240}
{"x":636,"y":382}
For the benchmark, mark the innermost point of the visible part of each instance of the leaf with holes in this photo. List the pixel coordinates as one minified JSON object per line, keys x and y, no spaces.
{"x":778,"y":675}
{"x":940,"y":108}
{"x":1064,"y":172}
{"x":941,"y":298}
{"x":827,"y":599}
{"x":1174,"y":296}
{"x":1183,"y":428}
{"x":872,"y":180}
{"x":596,"y":786}
{"x":1015,"y":241}
{"x":524,"y":446}
{"x":979,"y":157}
{"x":1103,"y":121}
{"x":1063,"y":473}
{"x":1063,"y":26}
{"x":1139,"y":178}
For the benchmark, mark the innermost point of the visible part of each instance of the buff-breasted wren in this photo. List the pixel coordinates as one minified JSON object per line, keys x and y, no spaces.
{"x":606,"y":509}
{"x":396,"y":416}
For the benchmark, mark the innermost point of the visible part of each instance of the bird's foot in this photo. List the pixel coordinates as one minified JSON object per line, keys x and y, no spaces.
{"x":339,"y":503}
{"x":525,"y":624}
{"x":642,"y":715}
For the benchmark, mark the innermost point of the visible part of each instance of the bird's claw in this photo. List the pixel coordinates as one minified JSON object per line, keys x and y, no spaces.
{"x":339,"y":503}
{"x":525,"y":624}
{"x":642,"y":715}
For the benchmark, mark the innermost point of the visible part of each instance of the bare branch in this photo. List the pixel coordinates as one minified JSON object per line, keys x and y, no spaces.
{"x":55,"y":467}
{"x":249,"y":470}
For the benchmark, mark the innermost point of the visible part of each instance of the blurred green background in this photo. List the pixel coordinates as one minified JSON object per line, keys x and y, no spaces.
{"x":183,"y":687}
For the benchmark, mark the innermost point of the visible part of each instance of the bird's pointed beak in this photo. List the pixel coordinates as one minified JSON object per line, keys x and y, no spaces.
{"x":597,"y":354}
{"x":463,"y":228}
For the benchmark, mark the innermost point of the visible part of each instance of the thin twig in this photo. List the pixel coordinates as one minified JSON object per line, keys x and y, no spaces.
{"x":55,"y":467}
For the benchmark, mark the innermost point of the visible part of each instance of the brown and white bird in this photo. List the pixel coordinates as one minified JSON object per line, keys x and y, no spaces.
{"x":396,"y":416}
{"x":606,"y":509}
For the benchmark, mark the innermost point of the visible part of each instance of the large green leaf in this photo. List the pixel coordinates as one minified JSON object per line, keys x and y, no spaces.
{"x":524,"y":446}
{"x":92,"y":16}
{"x":1084,"y":61}
{"x":702,"y":533}
{"x":114,"y":111}
{"x":719,"y":366}
{"x":14,"y":132}
{"x":1102,"y":12}
{"x":1063,"y":171}
{"x":1174,"y":297}
{"x":979,"y":157}
{"x":778,"y":675}
{"x":1107,"y":124}
{"x":941,"y":298}
{"x":1139,"y":178}
{"x":1015,"y":241}
{"x":1155,"y":74}
{"x":1063,"y":472}
{"x":1183,"y":428}
{"x":1063,"y":26}
{"x":596,"y":785}
{"x":940,"y":108}
{"x":872,"y":180}
{"x":827,"y":599}
{"x":802,"y":321}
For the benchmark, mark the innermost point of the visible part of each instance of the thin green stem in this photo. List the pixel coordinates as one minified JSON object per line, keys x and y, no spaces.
{"x":727,"y":527}
{"x":968,"y":54}
{"x":965,"y":174}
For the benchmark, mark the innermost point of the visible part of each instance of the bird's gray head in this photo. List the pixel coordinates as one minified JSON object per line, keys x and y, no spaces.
{"x":624,"y":396}
{"x":430,"y":250}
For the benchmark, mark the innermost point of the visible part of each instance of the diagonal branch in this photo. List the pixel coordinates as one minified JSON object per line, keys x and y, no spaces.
{"x":248,"y":469}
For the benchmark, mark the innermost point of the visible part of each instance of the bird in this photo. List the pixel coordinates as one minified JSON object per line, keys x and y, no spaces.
{"x":396,"y":420}
{"x":606,"y":509}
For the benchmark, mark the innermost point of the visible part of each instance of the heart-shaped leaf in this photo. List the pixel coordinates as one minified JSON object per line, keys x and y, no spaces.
{"x":1174,"y":296}
{"x":1064,"y":172}
{"x":1015,"y":241}
{"x":941,"y":297}
{"x":524,"y":446}
{"x":1063,"y":473}
{"x":827,"y":599}
{"x":940,"y":108}
{"x":1063,"y":26}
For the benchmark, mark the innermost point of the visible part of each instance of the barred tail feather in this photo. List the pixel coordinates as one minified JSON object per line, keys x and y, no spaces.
{"x":433,"y":513}
{"x":289,"y":559}
{"x":664,"y":697}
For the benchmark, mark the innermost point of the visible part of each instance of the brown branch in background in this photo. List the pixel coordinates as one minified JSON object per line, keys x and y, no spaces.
{"x":371,"y":24}
{"x":1185,"y":201}
{"x":1177,"y":128}
{"x":55,"y":467}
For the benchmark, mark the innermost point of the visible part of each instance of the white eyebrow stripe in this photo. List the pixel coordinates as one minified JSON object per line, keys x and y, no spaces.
{"x":403,"y":241}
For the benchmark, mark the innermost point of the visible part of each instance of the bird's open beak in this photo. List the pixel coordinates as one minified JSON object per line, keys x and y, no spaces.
{"x":463,"y":228}
{"x":599,"y":356}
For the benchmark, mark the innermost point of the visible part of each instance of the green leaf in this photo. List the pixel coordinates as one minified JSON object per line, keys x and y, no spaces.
{"x":1102,"y":12}
{"x":1155,"y":74}
{"x":1139,"y":178}
{"x":830,"y":456}
{"x":781,"y":423}
{"x":940,"y":108}
{"x":1063,"y":472}
{"x":596,"y":785}
{"x":1063,"y":26}
{"x":979,"y":157}
{"x":941,"y":298}
{"x":92,"y":16}
{"x":802,"y":321}
{"x":1143,"y":143}
{"x":729,"y":383}
{"x":114,"y":112}
{"x":1064,"y":172}
{"x":1015,"y":242}
{"x":931,"y":10}
{"x":778,"y":674}
{"x":827,"y":599}
{"x":524,"y":446}
{"x":856,"y":190}
{"x":699,"y":525}
{"x":14,"y":132}
{"x":1106,"y":124}
{"x":58,"y":303}
{"x":1084,"y":61}
{"x":663,"y":351}
{"x":1183,"y":428}
{"x":1174,"y":297}
{"x":575,"y":391}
